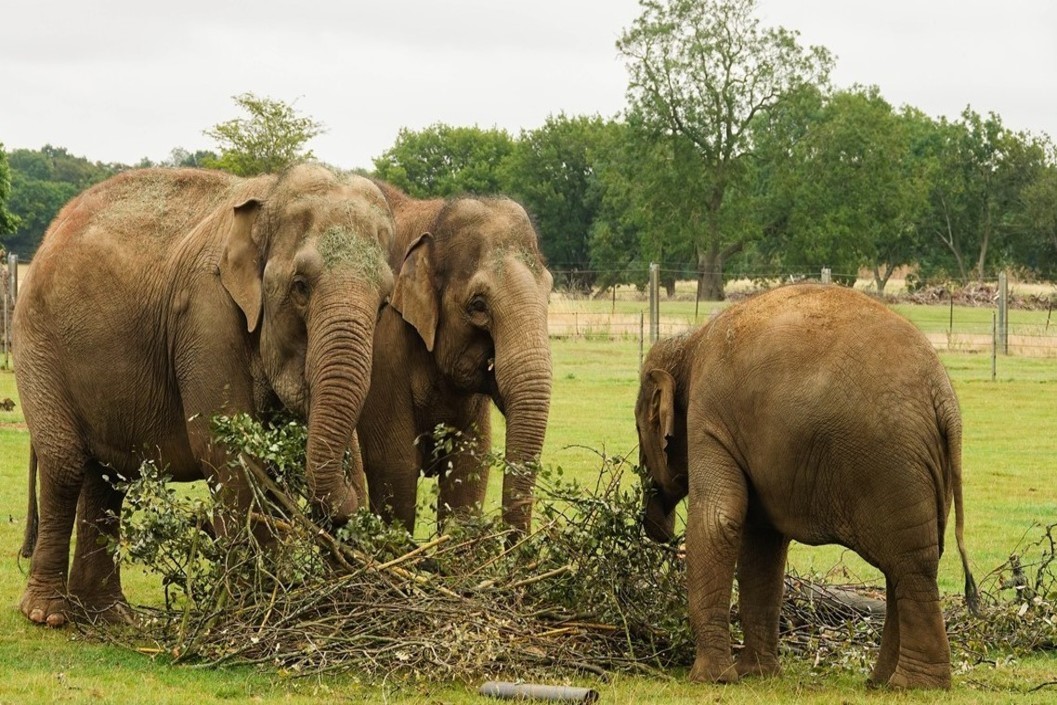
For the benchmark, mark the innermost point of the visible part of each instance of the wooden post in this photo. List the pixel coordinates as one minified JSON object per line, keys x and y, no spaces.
{"x":827,"y":275}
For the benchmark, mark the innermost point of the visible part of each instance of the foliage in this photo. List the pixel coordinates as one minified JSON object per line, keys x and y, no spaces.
{"x":700,"y":71}
{"x":585,"y":592}
{"x":853,"y":190}
{"x":272,"y":137}
{"x":552,"y":171}
{"x":979,"y":172}
{"x":42,"y":181}
{"x":442,"y":160}
{"x":8,"y":221}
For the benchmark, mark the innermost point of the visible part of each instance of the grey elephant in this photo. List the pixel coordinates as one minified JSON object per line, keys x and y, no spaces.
{"x":160,"y":298}
{"x":466,"y":325}
{"x":811,"y":413}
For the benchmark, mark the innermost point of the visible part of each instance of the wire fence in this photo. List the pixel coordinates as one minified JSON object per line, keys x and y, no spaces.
{"x":954,"y":319}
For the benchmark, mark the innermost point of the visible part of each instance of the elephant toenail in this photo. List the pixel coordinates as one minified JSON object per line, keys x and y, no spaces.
{"x":56,"y":620}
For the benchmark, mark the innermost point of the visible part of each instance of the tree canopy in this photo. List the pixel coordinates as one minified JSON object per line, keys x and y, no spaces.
{"x":443,"y":160}
{"x":270,"y":138}
{"x":700,"y":72}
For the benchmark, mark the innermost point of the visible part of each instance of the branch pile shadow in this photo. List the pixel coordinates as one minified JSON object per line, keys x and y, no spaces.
{"x":586,"y":592}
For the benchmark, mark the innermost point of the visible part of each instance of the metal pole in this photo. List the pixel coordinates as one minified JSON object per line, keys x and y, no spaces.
{"x":1003,"y":313}
{"x":12,"y":272}
{"x":655,"y":302}
{"x":994,"y":345}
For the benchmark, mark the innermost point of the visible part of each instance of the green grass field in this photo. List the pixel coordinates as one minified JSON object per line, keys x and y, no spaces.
{"x":1010,"y":456}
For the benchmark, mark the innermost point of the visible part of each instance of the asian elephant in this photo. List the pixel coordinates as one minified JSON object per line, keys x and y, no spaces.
{"x":811,"y":413}
{"x":467,"y":323}
{"x":160,"y":298}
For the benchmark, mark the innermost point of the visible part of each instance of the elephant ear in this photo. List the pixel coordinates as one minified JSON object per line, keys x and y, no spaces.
{"x":414,"y":294}
{"x":240,"y":265}
{"x":662,"y":405}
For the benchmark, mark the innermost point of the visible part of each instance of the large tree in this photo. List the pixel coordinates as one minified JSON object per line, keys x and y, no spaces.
{"x":270,"y":138}
{"x":443,"y":160}
{"x":700,"y":72}
{"x":552,"y":171}
{"x":856,"y":188}
{"x":979,"y":174}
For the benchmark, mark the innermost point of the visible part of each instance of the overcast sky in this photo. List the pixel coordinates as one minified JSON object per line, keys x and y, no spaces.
{"x":119,"y":80}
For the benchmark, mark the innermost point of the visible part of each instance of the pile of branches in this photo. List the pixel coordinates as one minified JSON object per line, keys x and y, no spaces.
{"x":978,"y":294}
{"x":586,"y":592}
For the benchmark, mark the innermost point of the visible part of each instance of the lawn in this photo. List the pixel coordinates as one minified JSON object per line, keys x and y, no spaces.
{"x":1010,"y":454}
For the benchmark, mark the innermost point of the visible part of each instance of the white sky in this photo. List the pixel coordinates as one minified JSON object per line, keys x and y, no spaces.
{"x":117,"y":80}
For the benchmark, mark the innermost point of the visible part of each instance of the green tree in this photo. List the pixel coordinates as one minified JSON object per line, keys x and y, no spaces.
{"x":857,"y":189}
{"x":700,"y":72}
{"x":1039,"y":200}
{"x":978,"y":176}
{"x":8,"y":221}
{"x":272,"y":137}
{"x":42,"y":181}
{"x":552,"y":172}
{"x":442,"y":160}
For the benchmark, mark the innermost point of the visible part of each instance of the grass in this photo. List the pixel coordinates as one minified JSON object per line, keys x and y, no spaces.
{"x":1010,"y":451}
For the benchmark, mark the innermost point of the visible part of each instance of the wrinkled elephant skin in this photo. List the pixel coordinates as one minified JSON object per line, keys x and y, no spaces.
{"x":808,"y":413}
{"x":163,"y":297}
{"x":467,"y":323}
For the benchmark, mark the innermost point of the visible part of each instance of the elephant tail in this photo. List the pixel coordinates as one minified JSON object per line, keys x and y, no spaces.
{"x":953,"y":432}
{"x":29,"y":541}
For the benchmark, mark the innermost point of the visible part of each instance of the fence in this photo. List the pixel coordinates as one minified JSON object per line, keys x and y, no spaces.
{"x":8,"y":293}
{"x":973,"y":321}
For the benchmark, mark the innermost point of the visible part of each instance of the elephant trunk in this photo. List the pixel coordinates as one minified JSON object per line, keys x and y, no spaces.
{"x":338,"y":370}
{"x":523,"y":380}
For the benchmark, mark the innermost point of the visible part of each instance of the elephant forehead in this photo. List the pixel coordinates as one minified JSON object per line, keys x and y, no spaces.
{"x":343,"y":248}
{"x":520,"y":254}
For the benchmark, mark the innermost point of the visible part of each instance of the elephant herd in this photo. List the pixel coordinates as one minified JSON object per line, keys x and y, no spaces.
{"x":162,"y":297}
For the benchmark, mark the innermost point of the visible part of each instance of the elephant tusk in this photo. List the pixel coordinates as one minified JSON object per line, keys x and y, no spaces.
{"x":491,"y":364}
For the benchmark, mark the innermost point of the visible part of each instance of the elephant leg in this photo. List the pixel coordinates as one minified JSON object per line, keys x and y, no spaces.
{"x":463,"y":486}
{"x":924,"y":653}
{"x":718,"y":501}
{"x":761,"y":582}
{"x":60,"y":479}
{"x":95,"y":579}
{"x":392,"y":481}
{"x":889,"y":656}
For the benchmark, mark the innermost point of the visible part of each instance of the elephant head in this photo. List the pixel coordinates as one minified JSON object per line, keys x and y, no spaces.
{"x":291,"y":259}
{"x":660,"y":418}
{"x":475,"y":288}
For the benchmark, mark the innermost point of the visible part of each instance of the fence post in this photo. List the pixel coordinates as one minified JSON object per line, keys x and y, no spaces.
{"x":994,"y":345}
{"x":827,"y":275}
{"x":12,"y":273}
{"x":655,"y":301}
{"x":1003,"y":313}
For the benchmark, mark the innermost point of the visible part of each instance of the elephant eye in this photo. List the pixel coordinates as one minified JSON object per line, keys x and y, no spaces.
{"x":477,"y":305}
{"x":299,"y":289}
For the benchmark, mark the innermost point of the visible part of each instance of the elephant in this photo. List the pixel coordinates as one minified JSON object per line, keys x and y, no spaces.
{"x":163,"y":297}
{"x":809,"y":412}
{"x":467,"y":322}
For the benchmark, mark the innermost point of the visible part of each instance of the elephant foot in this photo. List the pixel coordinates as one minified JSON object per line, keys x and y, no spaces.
{"x":756,"y":665}
{"x":44,"y":606}
{"x":934,"y":677}
{"x":711,"y":670}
